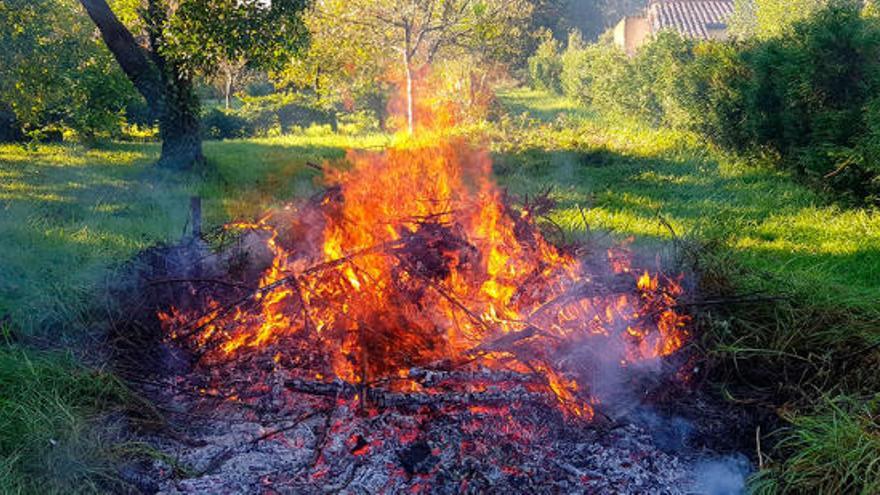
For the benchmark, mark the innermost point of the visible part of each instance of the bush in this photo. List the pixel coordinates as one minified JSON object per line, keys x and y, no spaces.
{"x":281,"y":112}
{"x":545,"y":66}
{"x":808,"y":95}
{"x":597,"y":74}
{"x":220,"y":124}
{"x":812,"y":94}
{"x":712,"y":94}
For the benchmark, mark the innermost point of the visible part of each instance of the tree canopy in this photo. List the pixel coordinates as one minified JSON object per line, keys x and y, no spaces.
{"x":184,"y":38}
{"x":365,"y":38}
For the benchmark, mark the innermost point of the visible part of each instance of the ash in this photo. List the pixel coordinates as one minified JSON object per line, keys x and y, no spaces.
{"x":285,"y":441}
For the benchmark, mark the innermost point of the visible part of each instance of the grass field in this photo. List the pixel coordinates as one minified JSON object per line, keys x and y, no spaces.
{"x":69,"y":215}
{"x":625,"y":174}
{"x":808,"y":356}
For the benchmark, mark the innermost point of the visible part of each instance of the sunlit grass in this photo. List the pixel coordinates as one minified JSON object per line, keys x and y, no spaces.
{"x":622,"y":175}
{"x":759,"y":230}
{"x":70,"y":213}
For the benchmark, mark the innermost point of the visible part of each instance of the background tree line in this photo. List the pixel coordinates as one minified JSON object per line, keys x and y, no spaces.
{"x":112,"y":69}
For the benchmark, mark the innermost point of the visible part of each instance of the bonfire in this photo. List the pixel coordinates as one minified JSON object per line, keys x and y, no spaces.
{"x":412,"y":262}
{"x":412,"y":329}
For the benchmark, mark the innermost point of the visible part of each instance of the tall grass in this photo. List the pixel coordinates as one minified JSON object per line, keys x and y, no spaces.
{"x":54,"y":434}
{"x":834,"y":450}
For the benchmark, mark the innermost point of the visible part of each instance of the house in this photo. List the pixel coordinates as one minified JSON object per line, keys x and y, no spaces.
{"x":698,"y":19}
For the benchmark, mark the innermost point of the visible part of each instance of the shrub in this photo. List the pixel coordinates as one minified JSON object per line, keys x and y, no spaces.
{"x":545,"y":66}
{"x":281,"y":112}
{"x":711,"y":92}
{"x":597,"y":74}
{"x":220,"y":124}
{"x":810,"y":94}
{"x":654,"y":78}
{"x":807,"y":95}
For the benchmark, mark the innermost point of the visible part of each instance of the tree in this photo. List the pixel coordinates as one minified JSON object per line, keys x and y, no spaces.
{"x":54,"y":74}
{"x":230,"y":74}
{"x":178,"y":39}
{"x":769,"y":18}
{"x":412,"y":34}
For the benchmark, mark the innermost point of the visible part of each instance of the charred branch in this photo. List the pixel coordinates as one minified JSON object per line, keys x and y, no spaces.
{"x":382,"y":398}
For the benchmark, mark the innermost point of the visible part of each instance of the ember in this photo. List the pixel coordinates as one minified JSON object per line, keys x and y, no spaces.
{"x":413,"y":279}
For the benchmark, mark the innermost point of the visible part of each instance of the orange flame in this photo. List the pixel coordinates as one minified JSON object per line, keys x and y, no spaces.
{"x":413,"y":256}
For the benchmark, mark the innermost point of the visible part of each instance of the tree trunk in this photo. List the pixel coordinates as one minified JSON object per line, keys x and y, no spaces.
{"x":179,"y":125}
{"x":170,"y":96}
{"x":407,"y":68}
{"x":131,"y":57}
{"x":410,"y":119}
{"x":227,"y":93}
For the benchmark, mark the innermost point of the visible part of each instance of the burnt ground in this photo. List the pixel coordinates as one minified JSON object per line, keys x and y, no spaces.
{"x":275,"y":438}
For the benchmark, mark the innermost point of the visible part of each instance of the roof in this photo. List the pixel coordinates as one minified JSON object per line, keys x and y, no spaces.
{"x":693,"y":18}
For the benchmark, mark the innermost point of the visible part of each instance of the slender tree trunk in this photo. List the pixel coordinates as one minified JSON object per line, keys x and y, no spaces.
{"x":228,"y":88}
{"x":407,"y":66}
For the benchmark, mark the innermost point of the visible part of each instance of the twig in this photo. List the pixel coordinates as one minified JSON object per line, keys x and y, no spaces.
{"x":296,"y":422}
{"x":440,"y":290}
{"x":327,"y":265}
{"x":758,"y":444}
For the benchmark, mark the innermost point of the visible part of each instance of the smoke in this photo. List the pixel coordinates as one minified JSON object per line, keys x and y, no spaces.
{"x":722,"y":476}
{"x":712,"y":474}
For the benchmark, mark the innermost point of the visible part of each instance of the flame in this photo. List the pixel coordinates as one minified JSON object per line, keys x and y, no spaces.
{"x":414,"y":256}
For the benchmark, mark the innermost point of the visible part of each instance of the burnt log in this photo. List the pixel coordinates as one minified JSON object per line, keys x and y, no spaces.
{"x":383,"y":398}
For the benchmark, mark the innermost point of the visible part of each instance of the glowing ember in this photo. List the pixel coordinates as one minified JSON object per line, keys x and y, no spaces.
{"x":413,"y":258}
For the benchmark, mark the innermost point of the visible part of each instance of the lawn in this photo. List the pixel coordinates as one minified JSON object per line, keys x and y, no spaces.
{"x":624,"y":174}
{"x":70,"y":215}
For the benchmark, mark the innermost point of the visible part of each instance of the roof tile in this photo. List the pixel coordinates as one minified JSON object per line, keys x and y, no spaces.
{"x":691,"y":18}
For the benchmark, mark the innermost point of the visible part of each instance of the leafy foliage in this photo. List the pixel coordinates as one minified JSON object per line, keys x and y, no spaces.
{"x":201,"y":33}
{"x":545,"y":66}
{"x":808,"y":95}
{"x":361,"y":48}
{"x":54,"y":74}
{"x":771,"y":18}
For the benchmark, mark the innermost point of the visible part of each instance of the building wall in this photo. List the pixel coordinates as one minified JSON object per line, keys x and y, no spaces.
{"x":631,"y":33}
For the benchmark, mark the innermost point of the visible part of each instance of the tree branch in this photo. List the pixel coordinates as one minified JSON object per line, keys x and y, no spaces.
{"x":131,"y":58}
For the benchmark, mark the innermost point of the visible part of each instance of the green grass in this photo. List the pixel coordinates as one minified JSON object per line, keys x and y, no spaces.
{"x":54,"y":432}
{"x":835,"y":450}
{"x":69,"y":214}
{"x":748,"y":228}
{"x":624,"y":174}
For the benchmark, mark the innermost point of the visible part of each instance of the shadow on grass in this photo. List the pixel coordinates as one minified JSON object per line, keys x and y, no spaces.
{"x":769,"y":222}
{"x":70,"y":214}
